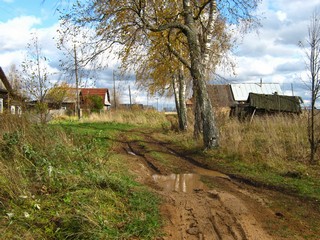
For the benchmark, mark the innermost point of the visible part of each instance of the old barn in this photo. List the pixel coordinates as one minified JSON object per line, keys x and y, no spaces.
{"x":247,"y":99}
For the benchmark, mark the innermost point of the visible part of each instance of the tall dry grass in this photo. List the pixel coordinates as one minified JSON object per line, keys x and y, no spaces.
{"x":273,"y":140}
{"x":134,"y":117}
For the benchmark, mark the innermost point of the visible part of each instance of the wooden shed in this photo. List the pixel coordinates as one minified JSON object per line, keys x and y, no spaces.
{"x":244,"y":99}
{"x":268,"y":104}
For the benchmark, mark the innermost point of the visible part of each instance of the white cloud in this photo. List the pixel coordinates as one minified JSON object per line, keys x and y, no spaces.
{"x":281,"y":16}
{"x":273,"y":54}
{"x":14,"y":33}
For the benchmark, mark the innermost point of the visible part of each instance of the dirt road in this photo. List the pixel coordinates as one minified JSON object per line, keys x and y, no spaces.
{"x":198,"y":203}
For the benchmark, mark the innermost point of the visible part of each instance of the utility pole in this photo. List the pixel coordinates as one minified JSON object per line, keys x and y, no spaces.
{"x":130,"y":97}
{"x":157,"y":104}
{"x":77,"y":80}
{"x":114,"y":90}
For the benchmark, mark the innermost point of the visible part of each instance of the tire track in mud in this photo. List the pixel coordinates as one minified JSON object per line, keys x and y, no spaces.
{"x":195,"y":212}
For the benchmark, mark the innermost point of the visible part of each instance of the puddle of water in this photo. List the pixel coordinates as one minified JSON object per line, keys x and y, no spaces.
{"x":187,"y":182}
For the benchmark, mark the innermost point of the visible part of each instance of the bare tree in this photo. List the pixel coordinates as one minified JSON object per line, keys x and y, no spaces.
{"x":15,"y":80}
{"x":80,"y":61}
{"x":35,"y":76}
{"x":312,"y":52}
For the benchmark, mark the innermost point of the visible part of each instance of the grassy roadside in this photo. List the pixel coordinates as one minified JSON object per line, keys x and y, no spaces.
{"x":62,"y":181}
{"x":65,"y":181}
{"x":270,"y":152}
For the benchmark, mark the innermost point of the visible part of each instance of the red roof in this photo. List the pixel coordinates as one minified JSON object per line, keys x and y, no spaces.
{"x":102,"y":92}
{"x":93,"y":91}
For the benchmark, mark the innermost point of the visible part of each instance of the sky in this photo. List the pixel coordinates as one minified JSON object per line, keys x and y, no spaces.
{"x":269,"y":53}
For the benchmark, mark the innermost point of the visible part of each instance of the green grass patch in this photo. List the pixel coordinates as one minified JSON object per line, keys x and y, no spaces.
{"x":62,"y":181}
{"x":294,"y":179}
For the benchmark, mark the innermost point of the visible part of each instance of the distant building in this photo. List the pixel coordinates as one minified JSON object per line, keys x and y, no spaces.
{"x":85,"y":93}
{"x":3,"y":99}
{"x":8,"y":98}
{"x":69,"y":100}
{"x":268,"y":104}
{"x":243,"y":99}
{"x":240,"y":91}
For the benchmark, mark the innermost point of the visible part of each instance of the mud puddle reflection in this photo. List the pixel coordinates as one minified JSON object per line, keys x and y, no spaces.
{"x":187,"y":182}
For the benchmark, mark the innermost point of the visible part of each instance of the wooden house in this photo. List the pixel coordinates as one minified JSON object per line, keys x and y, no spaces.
{"x":68,"y":103}
{"x":3,"y":99}
{"x":9,"y":100}
{"x":85,"y":94}
{"x":245,"y":99}
{"x":221,"y":99}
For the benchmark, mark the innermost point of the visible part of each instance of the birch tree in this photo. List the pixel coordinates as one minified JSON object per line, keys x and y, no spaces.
{"x":129,"y":23}
{"x":161,"y":72}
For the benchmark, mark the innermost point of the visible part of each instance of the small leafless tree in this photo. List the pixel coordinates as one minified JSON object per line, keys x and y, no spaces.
{"x":80,"y":60}
{"x":15,"y":80}
{"x":312,"y":52}
{"x":35,"y":76}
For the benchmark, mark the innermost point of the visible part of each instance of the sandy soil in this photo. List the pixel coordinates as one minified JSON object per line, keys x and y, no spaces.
{"x":192,"y":210}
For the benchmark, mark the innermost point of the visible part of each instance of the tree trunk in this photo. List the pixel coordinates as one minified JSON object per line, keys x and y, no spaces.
{"x":198,"y":73}
{"x":210,"y":133}
{"x":77,"y":81}
{"x":197,"y":115}
{"x":182,"y":101}
{"x":313,"y":141}
{"x":179,"y":88}
{"x":176,"y":94}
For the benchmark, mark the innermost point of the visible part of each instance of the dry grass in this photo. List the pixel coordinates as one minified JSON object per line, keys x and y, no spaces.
{"x":135,"y":117}
{"x":278,"y":142}
{"x":272,"y":139}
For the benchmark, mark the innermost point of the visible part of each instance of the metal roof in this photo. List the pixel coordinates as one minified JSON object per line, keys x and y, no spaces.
{"x":241,"y":91}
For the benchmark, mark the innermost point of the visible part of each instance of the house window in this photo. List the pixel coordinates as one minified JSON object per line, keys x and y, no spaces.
{"x":13,"y":110}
